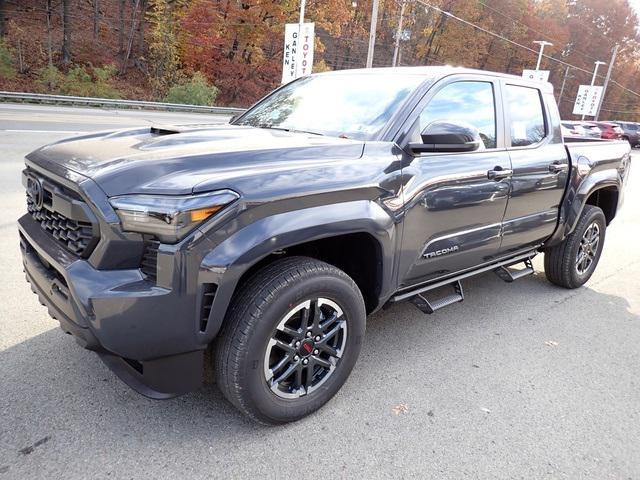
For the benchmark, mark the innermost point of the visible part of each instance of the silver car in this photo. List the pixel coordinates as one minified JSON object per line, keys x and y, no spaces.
{"x":591,"y":130}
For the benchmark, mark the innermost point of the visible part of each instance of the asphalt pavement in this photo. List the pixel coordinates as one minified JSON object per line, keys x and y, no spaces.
{"x":522,"y":380}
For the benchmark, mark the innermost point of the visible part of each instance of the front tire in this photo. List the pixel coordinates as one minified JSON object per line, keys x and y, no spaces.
{"x":571,"y":263}
{"x":290,"y":340}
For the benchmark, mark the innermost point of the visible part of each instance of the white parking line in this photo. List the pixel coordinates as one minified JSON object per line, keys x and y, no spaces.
{"x":43,"y":131}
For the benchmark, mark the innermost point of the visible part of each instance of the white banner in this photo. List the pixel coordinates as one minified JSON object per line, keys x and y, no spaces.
{"x":587,"y":100}
{"x":537,"y":75}
{"x":297,"y":59}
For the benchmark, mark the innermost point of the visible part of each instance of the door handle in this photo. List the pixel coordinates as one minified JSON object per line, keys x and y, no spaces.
{"x":498,"y":173}
{"x":558,"y":167}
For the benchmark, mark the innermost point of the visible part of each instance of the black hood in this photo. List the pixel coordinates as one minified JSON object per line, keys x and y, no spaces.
{"x":185,"y":159}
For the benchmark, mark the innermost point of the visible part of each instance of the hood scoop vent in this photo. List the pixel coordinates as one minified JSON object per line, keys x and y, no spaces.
{"x":166,"y":130}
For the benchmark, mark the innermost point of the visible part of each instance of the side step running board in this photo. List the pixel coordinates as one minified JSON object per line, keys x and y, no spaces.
{"x":416,"y":294}
{"x":509,"y":275}
{"x":429,"y":307}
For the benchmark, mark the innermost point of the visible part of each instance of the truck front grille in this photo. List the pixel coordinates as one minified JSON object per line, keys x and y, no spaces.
{"x":45,"y":199}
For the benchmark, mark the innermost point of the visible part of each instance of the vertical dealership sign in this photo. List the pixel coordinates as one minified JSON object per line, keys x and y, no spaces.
{"x":297,"y":59}
{"x":587,"y":100}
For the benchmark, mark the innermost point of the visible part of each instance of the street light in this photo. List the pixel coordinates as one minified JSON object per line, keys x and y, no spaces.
{"x":542,"y":43}
{"x":595,"y":71}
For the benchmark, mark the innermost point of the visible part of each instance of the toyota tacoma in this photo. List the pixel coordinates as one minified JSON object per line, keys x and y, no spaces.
{"x":271,"y":238}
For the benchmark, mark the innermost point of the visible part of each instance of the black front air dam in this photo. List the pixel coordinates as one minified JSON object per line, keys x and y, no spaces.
{"x":79,"y":303}
{"x":161,"y":378}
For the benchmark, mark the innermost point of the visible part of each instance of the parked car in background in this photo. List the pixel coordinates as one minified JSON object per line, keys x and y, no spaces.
{"x":572,"y":129}
{"x":610,"y":130}
{"x":591,"y":130}
{"x":631,"y":132}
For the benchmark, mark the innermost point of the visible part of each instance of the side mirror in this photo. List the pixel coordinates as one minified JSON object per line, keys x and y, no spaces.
{"x":234,"y":118}
{"x":448,"y":136}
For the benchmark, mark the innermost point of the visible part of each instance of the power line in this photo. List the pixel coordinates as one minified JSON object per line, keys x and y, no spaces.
{"x":489,"y":32}
{"x":544,"y":35}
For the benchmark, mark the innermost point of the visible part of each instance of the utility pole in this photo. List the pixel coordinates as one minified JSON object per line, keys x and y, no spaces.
{"x":372,"y":32}
{"x":542,"y":43}
{"x":398,"y":34}
{"x":606,"y":80}
{"x":597,"y":63}
{"x":564,"y":81}
{"x":303,"y":3}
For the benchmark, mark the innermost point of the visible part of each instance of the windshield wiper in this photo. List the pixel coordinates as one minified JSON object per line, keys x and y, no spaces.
{"x":291,"y":130}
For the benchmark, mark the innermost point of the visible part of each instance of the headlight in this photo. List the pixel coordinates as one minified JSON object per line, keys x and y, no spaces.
{"x":170,"y":218}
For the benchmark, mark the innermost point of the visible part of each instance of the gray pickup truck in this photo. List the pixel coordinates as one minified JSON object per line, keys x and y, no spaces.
{"x":271,"y":239}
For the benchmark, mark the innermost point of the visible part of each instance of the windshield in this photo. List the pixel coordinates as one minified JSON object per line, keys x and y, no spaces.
{"x":345,"y":105}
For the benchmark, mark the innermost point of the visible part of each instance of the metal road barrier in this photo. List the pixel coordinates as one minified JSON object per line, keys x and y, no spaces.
{"x":107,"y":102}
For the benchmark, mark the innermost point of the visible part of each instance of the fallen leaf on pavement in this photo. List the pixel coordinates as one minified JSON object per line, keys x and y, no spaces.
{"x":401,"y":408}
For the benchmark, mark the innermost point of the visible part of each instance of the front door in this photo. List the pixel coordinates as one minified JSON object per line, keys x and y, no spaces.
{"x":453,"y":210}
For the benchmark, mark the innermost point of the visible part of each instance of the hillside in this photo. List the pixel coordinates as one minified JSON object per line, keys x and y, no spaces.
{"x":229,"y":51}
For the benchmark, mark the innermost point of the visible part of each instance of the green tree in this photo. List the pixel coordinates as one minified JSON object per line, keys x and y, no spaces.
{"x":194,"y":91}
{"x":79,"y":81}
{"x":7,"y":70}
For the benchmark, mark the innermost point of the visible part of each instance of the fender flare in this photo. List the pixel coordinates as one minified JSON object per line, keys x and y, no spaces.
{"x":579,"y":190}
{"x":225,"y":264}
{"x":592,"y":183}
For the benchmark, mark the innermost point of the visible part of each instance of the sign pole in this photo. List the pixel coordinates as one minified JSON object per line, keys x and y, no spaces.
{"x":606,"y":80}
{"x":303,"y":3}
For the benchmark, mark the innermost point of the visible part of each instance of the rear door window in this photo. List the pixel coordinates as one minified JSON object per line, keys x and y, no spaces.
{"x":526,"y":116}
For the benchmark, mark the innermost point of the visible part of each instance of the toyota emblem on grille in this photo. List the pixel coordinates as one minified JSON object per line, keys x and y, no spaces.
{"x":34,"y":191}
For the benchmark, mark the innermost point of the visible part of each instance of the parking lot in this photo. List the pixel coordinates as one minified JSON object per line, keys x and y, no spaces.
{"x":522,"y":380}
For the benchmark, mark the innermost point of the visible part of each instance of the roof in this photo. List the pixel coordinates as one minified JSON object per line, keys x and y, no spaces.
{"x":435,"y":72}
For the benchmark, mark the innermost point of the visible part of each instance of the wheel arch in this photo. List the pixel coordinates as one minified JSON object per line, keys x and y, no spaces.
{"x":355,"y":231}
{"x":606,"y":198}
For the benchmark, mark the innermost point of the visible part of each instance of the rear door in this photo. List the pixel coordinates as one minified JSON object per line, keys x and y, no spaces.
{"x":453,"y":210}
{"x":540,"y":166}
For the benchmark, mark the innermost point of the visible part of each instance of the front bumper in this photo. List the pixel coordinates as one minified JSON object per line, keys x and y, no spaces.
{"x":145,"y":333}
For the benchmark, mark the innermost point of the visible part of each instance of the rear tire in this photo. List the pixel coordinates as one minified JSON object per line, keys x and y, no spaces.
{"x":571,"y":263}
{"x":275,"y":325}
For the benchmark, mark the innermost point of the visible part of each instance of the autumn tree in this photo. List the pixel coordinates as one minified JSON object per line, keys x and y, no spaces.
{"x":163,"y":46}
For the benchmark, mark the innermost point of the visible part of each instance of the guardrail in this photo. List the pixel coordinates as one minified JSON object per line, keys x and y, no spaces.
{"x":108,"y":102}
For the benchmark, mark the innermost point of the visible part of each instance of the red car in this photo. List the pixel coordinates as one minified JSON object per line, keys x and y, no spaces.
{"x":610,"y":131}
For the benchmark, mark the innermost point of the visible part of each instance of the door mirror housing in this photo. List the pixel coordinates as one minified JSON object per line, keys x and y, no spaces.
{"x":234,"y":118}
{"x":448,"y":136}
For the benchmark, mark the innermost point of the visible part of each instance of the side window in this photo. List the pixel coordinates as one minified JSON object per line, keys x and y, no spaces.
{"x":469,"y":102}
{"x":525,"y":115}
